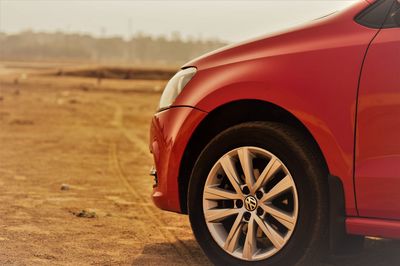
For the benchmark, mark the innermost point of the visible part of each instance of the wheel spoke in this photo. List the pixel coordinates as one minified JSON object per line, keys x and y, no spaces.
{"x":250,"y":245}
{"x":283,"y":217}
{"x":232,"y":241}
{"x":215,"y":193}
{"x":271,"y":168}
{"x":246,"y":161}
{"x":275,"y":238}
{"x":279,"y":188}
{"x":230,"y":171}
{"x":217,"y":215}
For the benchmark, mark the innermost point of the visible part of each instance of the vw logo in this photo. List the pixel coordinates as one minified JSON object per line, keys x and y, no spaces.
{"x":250,"y":203}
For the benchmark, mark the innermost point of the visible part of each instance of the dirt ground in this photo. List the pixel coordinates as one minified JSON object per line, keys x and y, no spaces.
{"x":74,"y":183}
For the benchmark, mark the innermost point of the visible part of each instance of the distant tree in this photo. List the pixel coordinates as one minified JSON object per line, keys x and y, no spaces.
{"x":141,"y":48}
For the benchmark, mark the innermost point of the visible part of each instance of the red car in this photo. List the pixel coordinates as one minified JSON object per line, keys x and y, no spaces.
{"x":286,"y":146}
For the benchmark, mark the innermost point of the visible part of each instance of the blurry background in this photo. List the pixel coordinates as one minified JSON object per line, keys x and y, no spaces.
{"x":142,"y":32}
{"x":79,"y":84}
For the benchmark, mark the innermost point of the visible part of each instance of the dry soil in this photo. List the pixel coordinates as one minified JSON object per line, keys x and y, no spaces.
{"x":74,"y":184}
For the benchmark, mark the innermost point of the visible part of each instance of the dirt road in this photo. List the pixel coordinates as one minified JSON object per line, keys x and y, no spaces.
{"x":74,"y":184}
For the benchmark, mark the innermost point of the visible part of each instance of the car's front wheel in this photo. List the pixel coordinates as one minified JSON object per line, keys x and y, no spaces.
{"x":258,"y":195}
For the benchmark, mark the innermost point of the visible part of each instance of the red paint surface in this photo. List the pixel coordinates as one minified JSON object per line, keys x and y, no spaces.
{"x":312,"y":72}
{"x":373,"y":227}
{"x":169,"y":134}
{"x":378,"y":129}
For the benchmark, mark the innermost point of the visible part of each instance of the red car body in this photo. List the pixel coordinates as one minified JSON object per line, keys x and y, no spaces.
{"x":339,"y":79}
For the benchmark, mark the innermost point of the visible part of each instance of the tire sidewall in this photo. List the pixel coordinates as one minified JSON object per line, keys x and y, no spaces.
{"x":279,"y":143}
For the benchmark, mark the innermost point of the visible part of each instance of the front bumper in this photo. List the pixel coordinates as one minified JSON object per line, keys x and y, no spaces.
{"x":170,"y":132}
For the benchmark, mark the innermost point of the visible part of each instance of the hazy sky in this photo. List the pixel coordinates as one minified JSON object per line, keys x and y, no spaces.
{"x":228,"y":20}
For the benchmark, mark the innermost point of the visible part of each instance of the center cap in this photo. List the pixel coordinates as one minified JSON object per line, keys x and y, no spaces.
{"x":250,"y":203}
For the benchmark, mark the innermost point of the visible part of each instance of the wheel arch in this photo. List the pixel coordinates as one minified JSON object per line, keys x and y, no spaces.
{"x":228,"y":115}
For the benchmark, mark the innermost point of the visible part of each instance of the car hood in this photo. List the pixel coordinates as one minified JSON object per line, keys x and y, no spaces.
{"x":301,"y":38}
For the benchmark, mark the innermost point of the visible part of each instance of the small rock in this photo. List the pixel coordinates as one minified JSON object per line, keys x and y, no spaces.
{"x":65,"y":187}
{"x":85,"y":214}
{"x":1,"y":98}
{"x":21,"y":122}
{"x":73,"y":101}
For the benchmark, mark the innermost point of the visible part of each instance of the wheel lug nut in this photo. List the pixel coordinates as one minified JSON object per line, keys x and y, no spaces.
{"x":239,"y":204}
{"x":247,"y":216}
{"x":246,"y":190}
{"x":260,"y":211}
{"x":259,"y":194}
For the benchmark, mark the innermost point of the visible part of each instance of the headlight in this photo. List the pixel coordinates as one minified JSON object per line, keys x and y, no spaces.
{"x":175,"y":86}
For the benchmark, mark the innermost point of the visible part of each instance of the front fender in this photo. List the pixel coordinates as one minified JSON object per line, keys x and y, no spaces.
{"x":326,"y":107}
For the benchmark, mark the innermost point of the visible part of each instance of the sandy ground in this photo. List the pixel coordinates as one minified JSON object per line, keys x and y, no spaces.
{"x":74,"y":184}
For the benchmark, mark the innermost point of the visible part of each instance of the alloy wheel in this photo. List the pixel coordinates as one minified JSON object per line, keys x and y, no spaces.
{"x":250,"y":203}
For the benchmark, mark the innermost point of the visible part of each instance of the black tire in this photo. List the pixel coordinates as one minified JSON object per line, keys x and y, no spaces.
{"x":309,"y":239}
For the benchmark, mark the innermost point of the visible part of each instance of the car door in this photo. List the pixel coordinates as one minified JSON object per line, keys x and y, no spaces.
{"x":377,"y":164}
